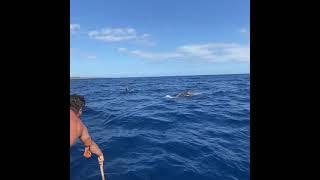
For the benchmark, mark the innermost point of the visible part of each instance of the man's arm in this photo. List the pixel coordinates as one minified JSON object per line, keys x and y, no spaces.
{"x":84,"y":135}
{"x":87,"y":141}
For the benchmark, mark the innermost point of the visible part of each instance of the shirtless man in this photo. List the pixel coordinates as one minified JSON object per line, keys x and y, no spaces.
{"x":79,"y":130}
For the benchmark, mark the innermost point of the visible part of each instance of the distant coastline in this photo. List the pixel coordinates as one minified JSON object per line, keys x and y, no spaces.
{"x":82,"y":78}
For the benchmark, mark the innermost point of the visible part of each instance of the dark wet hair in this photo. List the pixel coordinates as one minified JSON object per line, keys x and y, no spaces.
{"x":76,"y":102}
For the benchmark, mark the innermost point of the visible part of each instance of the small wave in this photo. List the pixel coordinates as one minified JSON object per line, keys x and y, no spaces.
{"x":168,"y":96}
{"x":193,"y":94}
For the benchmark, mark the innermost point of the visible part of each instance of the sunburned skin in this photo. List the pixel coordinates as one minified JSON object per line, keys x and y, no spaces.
{"x":75,"y":128}
{"x":79,"y":131}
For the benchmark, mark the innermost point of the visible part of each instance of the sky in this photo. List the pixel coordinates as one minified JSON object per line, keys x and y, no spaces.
{"x":138,"y":38}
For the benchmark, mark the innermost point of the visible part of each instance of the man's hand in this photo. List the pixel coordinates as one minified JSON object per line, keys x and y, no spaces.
{"x":91,"y":146}
{"x":101,"y":160}
{"x":87,"y":152}
{"x":95,"y":149}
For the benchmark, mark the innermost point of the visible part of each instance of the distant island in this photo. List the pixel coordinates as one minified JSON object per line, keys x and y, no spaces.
{"x":81,"y":78}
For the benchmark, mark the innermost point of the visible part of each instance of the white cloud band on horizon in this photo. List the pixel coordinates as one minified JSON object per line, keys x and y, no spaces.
{"x":210,"y":52}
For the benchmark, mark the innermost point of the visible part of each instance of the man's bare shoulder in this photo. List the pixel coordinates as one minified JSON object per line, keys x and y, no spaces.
{"x":73,"y":115}
{"x":76,"y":121}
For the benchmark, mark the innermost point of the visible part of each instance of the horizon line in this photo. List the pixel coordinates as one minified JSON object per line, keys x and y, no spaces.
{"x":103,"y":77}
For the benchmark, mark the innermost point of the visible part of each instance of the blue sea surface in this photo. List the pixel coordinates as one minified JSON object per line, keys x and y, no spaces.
{"x":146,"y":133}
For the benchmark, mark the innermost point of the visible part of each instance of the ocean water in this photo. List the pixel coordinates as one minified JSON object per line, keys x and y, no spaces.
{"x":147,"y":133}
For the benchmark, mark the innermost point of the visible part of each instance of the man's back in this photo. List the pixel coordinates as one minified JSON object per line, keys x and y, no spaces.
{"x":75,"y":127}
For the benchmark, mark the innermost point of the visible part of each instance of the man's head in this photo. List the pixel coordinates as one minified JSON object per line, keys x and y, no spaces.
{"x":77,"y":103}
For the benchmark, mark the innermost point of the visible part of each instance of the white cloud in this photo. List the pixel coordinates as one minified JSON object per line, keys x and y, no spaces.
{"x":74,"y":28}
{"x":155,"y":56}
{"x":92,"y":57}
{"x":149,"y":55}
{"x":122,"y":49}
{"x":216,"y":51}
{"x":119,"y":34}
{"x":212,"y":52}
